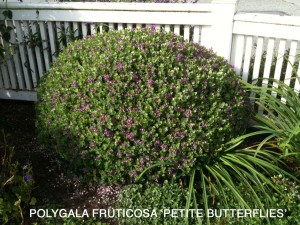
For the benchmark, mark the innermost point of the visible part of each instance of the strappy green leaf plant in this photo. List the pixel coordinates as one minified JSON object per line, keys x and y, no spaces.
{"x":280,"y":117}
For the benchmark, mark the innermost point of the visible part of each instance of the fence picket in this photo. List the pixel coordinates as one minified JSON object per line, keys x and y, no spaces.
{"x":5,"y":77}
{"x":75,"y":29}
{"x":45,"y":45}
{"x":196,"y":35}
{"x":238,"y":52}
{"x":67,"y":31}
{"x":11,"y":71}
{"x":1,"y":82}
{"x":186,"y":34}
{"x":280,"y":57}
{"x":18,"y":67}
{"x":93,"y":27}
{"x":120,"y":26}
{"x":38,"y":54}
{"x":59,"y":32}
{"x":111,"y":26}
{"x":129,"y":25}
{"x":297,"y":83}
{"x":291,"y":60}
{"x":52,"y":40}
{"x":247,"y":58}
{"x":24,"y":61}
{"x":269,"y":58}
{"x":267,"y":69}
{"x":177,"y":29}
{"x":167,"y":28}
{"x":84,"y":27}
{"x":31,"y":56}
{"x":258,"y":55}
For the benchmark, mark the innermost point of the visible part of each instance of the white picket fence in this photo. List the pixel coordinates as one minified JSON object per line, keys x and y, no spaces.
{"x":211,"y":24}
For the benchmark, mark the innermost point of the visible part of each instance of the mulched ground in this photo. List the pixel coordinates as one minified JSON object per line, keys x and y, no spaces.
{"x":54,"y":183}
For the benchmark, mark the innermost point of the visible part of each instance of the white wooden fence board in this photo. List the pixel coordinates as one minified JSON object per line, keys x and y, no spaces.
{"x":1,"y":81}
{"x":10,"y":67}
{"x":38,"y":54}
{"x":167,"y":28}
{"x":84,"y":27}
{"x":117,"y":16}
{"x":196,"y":35}
{"x":177,"y":29}
{"x":24,"y":62}
{"x":267,"y":30}
{"x":45,"y":45}
{"x":67,"y":26}
{"x":31,"y":57}
{"x":75,"y":29}
{"x":297,"y":83}
{"x":18,"y":95}
{"x":111,"y":26}
{"x":237,"y":53}
{"x":268,"y":19}
{"x":186,"y":34}
{"x":205,"y":36}
{"x":92,"y":26}
{"x":59,"y":32}
{"x":18,"y":66}
{"x":269,"y":58}
{"x":4,"y":72}
{"x":52,"y":40}
{"x":257,"y":61}
{"x":280,"y":57}
{"x":120,"y":26}
{"x":107,"y":6}
{"x":129,"y":25}
{"x":247,"y":58}
{"x":267,"y":69}
{"x":291,"y":60}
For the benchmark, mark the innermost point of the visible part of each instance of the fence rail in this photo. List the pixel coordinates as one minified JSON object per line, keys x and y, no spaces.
{"x":42,"y":30}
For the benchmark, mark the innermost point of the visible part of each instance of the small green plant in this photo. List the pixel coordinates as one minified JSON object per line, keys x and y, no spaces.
{"x":281,"y":119}
{"x":117,"y":103}
{"x":15,"y":186}
{"x":157,"y":200}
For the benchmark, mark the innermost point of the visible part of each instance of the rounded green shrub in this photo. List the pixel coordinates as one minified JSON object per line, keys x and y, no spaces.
{"x":117,"y":103}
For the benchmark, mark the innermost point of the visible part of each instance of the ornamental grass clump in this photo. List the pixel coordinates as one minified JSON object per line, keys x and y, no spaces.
{"x":116,"y":103}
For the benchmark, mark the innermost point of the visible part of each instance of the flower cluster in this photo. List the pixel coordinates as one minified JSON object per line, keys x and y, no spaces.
{"x":129,"y":99}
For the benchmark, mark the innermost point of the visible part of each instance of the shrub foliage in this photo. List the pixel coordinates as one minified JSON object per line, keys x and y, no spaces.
{"x":117,"y":103}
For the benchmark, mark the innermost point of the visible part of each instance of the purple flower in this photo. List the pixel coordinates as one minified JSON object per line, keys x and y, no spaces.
{"x":130,"y":135}
{"x":179,"y":56}
{"x":28,"y":178}
{"x":188,"y":113}
{"x":150,"y":81}
{"x":119,"y":154}
{"x":74,"y":84}
{"x":157,"y":113}
{"x":119,"y":65}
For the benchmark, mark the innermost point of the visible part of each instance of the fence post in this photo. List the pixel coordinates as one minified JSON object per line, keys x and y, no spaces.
{"x":219,"y":35}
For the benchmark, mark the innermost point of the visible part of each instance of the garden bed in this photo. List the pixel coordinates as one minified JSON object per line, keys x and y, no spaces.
{"x":55,"y":186}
